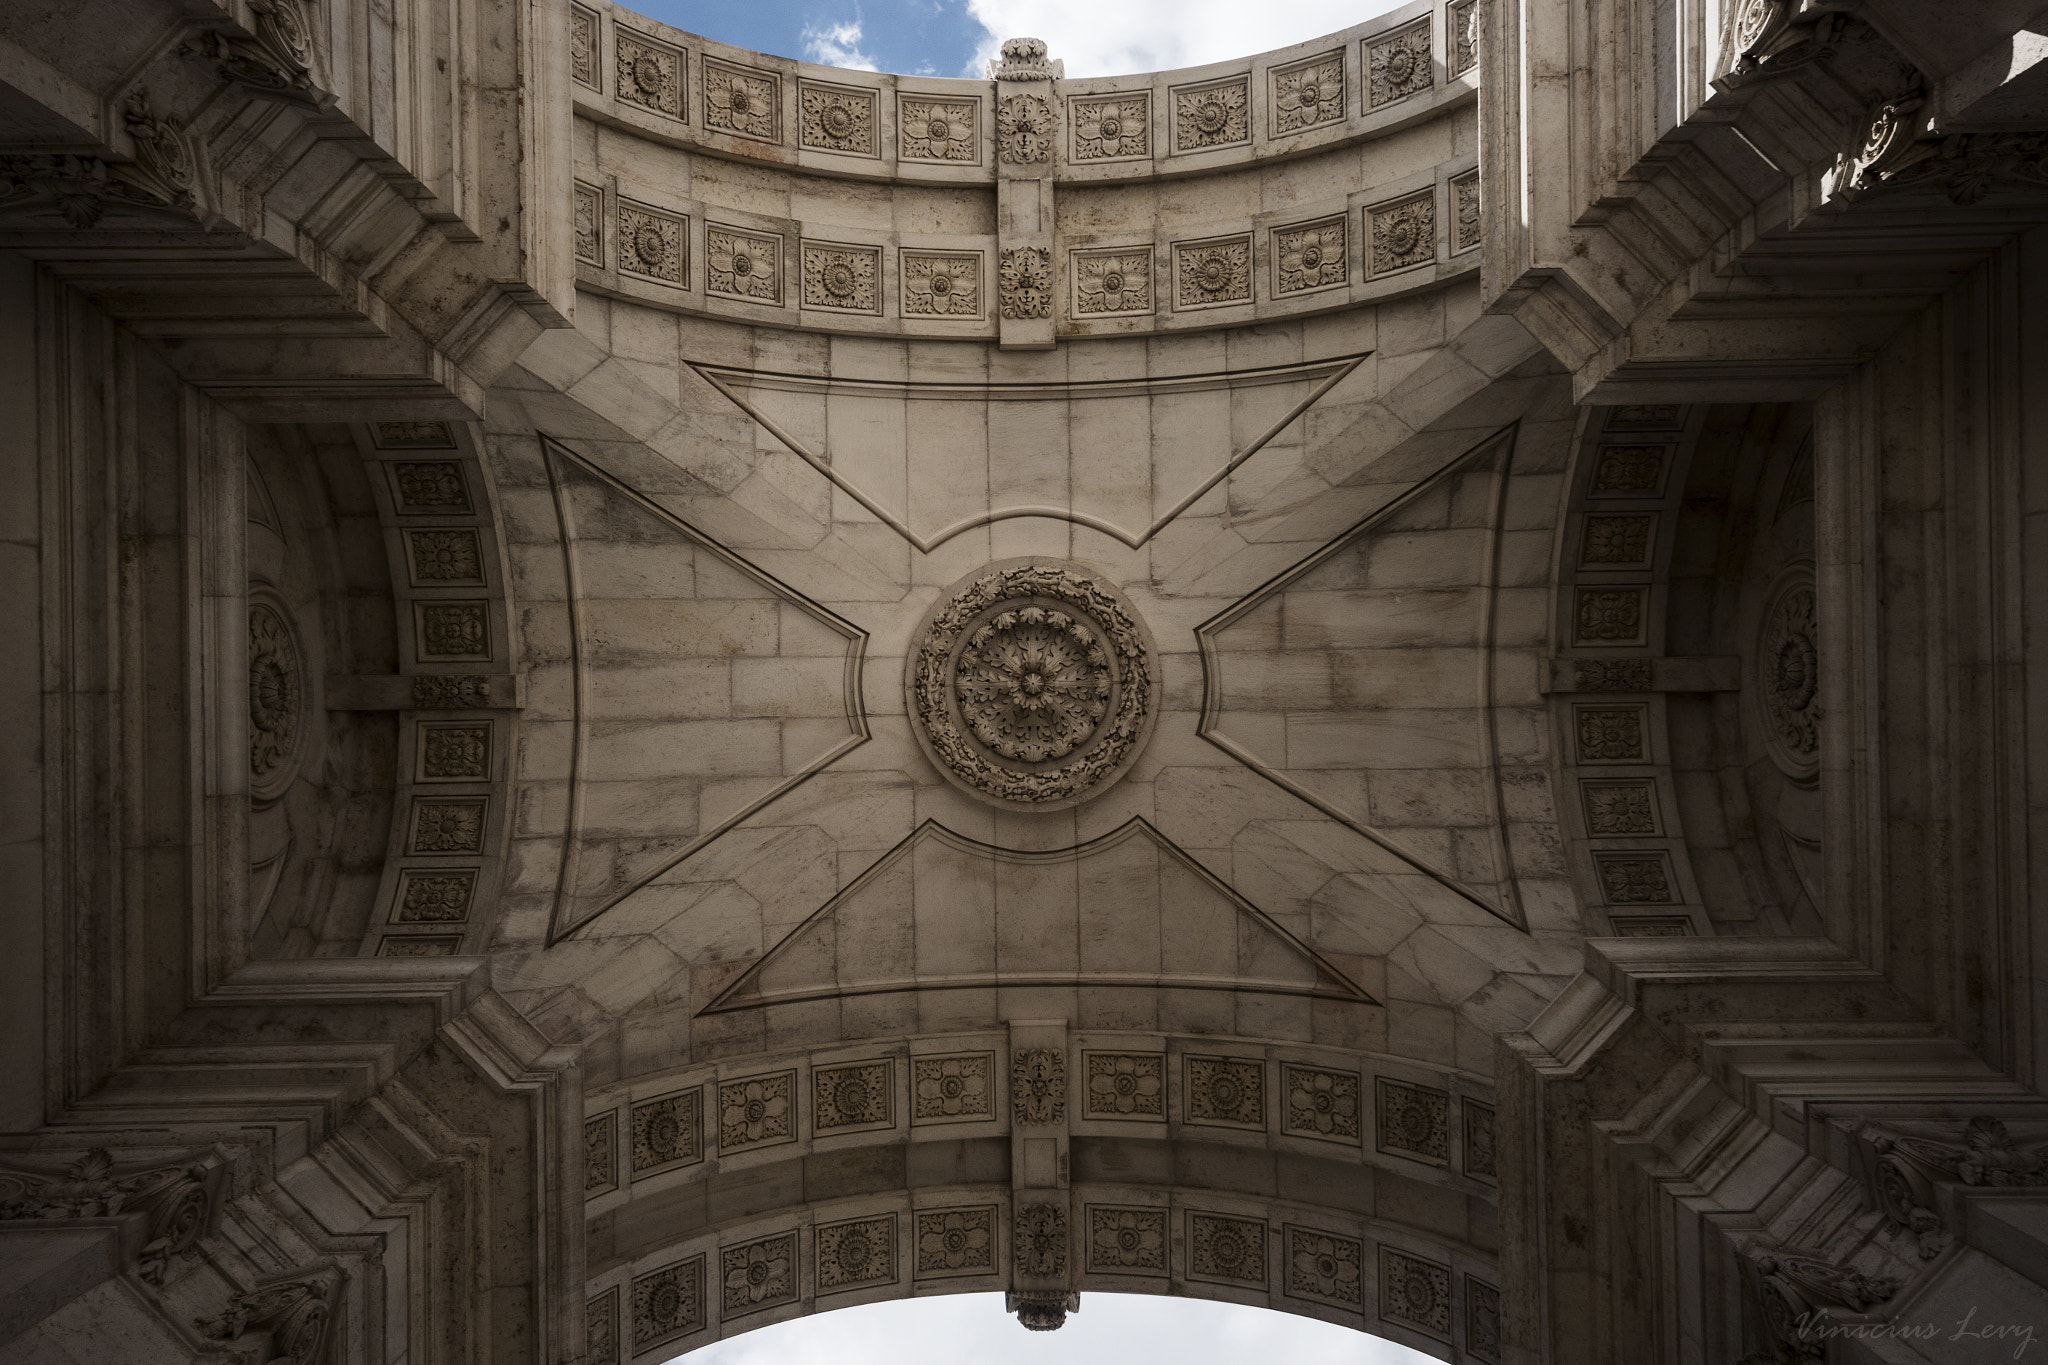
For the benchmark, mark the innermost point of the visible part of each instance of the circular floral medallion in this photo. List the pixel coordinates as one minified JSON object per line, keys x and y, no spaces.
{"x":275,"y":685}
{"x":1210,"y":116}
{"x":838,"y":120}
{"x":1786,"y":674}
{"x":941,"y":283}
{"x":1031,"y":684}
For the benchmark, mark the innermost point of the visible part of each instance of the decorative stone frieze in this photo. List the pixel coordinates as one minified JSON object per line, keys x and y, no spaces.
{"x":1403,"y":233}
{"x":1482,"y":1321}
{"x":743,"y":265}
{"x":453,"y":825}
{"x":1229,"y":1091}
{"x":288,"y":1320}
{"x":1611,"y":734}
{"x":952,"y":1089}
{"x":1618,"y":540}
{"x":1031,"y":684}
{"x":757,"y":1111}
{"x":455,"y":753}
{"x":1126,"y":1241}
{"x":1125,"y":1085}
{"x":178,"y":1201}
{"x":1609,"y":616}
{"x":438,"y":897}
{"x":653,"y":244}
{"x":933,"y":129}
{"x":1480,"y":1160}
{"x":601,"y":1328}
{"x":941,"y":284}
{"x":855,"y":1253}
{"x":1398,"y":65}
{"x":1110,"y":127}
{"x":649,"y":72}
{"x":956,"y":1242}
{"x":1415,"y":1293}
{"x":1786,"y":674}
{"x":447,"y":692}
{"x":838,"y":118}
{"x":1635,"y":878}
{"x":1230,"y":1250}
{"x":585,"y":38}
{"x":1321,"y":1104}
{"x":601,"y":1153}
{"x":858,"y":1096}
{"x":1025,"y":283}
{"x":1461,"y":21}
{"x":453,"y":630}
{"x":1465,"y":212}
{"x":1414,"y":1121}
{"x":419,"y":436}
{"x":445,"y":556}
{"x":757,"y":1275}
{"x":589,"y":218}
{"x":668,"y":1131}
{"x":668,"y":1303}
{"x":1024,"y":129}
{"x":276,"y":700}
{"x":1307,"y":94}
{"x":1612,"y":675}
{"x":1040,"y":1239}
{"x":1624,"y":807}
{"x":1212,"y":114}
{"x":1113,"y":282}
{"x":1629,"y":471}
{"x":1323,"y":1266}
{"x":1212,"y":273}
{"x":1038,"y":1086}
{"x":846,"y":279}
{"x":1310,"y":256}
{"x":743,"y":101}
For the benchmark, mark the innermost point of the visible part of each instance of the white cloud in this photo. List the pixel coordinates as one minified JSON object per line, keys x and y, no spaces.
{"x":837,"y":45}
{"x":1110,"y":1329}
{"x":1112,"y":39}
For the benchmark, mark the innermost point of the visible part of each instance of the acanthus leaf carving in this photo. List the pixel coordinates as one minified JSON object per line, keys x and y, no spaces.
{"x":1024,"y":129}
{"x":1025,"y":279}
{"x":177,"y":1200}
{"x":1903,"y":1169}
{"x":294,"y":1314}
{"x":1797,"y":1293}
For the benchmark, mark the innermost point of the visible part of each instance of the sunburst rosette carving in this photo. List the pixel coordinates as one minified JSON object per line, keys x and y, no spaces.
{"x":1031,"y":685}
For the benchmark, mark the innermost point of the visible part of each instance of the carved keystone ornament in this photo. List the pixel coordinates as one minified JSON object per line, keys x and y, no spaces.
{"x":1031,"y":684}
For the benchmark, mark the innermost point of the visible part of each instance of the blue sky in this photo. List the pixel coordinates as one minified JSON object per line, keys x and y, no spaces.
{"x":1110,"y":1329}
{"x":955,"y":37}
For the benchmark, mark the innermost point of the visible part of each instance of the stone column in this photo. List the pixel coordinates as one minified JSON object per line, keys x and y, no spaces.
{"x":1025,"y":118}
{"x":1041,"y":1255}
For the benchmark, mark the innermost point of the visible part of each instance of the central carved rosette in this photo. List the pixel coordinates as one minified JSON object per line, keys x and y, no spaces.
{"x":1031,"y":685}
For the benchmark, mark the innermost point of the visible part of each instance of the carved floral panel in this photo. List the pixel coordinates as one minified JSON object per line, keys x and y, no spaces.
{"x":584,"y":31}
{"x":952,"y":1089}
{"x":1461,"y":21}
{"x":1320,"y":1103}
{"x":649,"y":73}
{"x":1024,"y":129}
{"x":668,"y":1303}
{"x":1125,"y":1241}
{"x":601,"y":1153}
{"x":1024,"y":280}
{"x":1226,"y":1090}
{"x":757,"y":1275}
{"x":1610,"y":616}
{"x":744,"y":101}
{"x":276,"y":699}
{"x":1107,"y":283}
{"x":1228,"y":1249}
{"x":847,"y":279}
{"x":435,"y":897}
{"x":653,"y":243}
{"x":930,"y":129}
{"x":1611,"y":734}
{"x":1112,"y":127}
{"x":668,"y":1131}
{"x":1212,"y":273}
{"x":1415,"y":1293}
{"x":1308,"y":94}
{"x":1414,"y":1121}
{"x":956,"y":1241}
{"x":1612,"y":675}
{"x":1626,"y":807}
{"x":836,"y":118}
{"x":1618,"y":540}
{"x":1787,"y":674}
{"x":858,"y":1096}
{"x":589,"y":225}
{"x":1310,"y":256}
{"x":1038,"y":1086}
{"x":742,"y":264}
{"x":1635,"y":879}
{"x":1125,"y":1085}
{"x":1324,"y":1266}
{"x":941,"y":284}
{"x":1041,"y":1240}
{"x":1403,"y":233}
{"x":453,"y":630}
{"x":1481,"y":1161}
{"x":1214,"y":114}
{"x":429,"y":486}
{"x":857,"y":1252}
{"x":1397,"y":65}
{"x":455,"y":753}
{"x":448,"y":826}
{"x":1482,"y":1322}
{"x":1631,"y":471}
{"x":757,"y":1111}
{"x":1465,"y":212}
{"x":601,"y":1328}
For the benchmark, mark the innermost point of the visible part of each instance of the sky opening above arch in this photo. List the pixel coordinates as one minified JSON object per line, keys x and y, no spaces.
{"x":1110,"y":1329}
{"x":956,"y":37}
